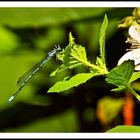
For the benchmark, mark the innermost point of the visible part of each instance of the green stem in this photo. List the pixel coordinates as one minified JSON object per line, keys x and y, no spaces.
{"x":101,"y":70}
{"x":130,"y":89}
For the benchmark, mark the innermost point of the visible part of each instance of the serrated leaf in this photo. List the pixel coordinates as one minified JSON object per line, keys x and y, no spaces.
{"x":102,"y":38}
{"x":119,"y":89}
{"x":72,"y":82}
{"x":63,"y":67}
{"x":79,"y":53}
{"x":71,"y":38}
{"x":135,"y":76}
{"x":73,"y":56}
{"x":121,"y":74}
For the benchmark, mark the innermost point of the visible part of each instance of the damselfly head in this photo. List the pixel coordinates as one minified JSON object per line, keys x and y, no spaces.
{"x":57,"y":47}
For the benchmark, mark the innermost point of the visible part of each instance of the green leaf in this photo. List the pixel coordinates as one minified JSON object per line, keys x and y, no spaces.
{"x":120,"y":77}
{"x":62,"y":68}
{"x":121,"y":74}
{"x":102,"y":38}
{"x":99,"y":62}
{"x":73,"y":56}
{"x":72,"y":82}
{"x":125,"y":129}
{"x":78,"y":52}
{"x":135,"y":76}
{"x":119,"y":89}
{"x":71,"y":38}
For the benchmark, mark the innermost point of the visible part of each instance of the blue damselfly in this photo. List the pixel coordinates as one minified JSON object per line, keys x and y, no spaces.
{"x":22,"y":81}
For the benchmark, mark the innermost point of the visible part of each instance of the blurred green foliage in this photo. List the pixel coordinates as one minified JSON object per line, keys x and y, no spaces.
{"x":9,"y":41}
{"x":109,"y":108}
{"x":63,"y":122}
{"x":28,"y":34}
{"x":36,"y":17}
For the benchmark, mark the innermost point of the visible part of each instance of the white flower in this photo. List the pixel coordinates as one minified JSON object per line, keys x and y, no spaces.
{"x":134,"y":32}
{"x":132,"y":55}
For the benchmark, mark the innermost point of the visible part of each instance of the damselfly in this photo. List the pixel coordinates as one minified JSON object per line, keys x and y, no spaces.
{"x":28,"y":75}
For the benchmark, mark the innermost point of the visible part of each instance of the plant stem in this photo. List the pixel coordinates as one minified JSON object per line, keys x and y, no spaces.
{"x":130,"y":89}
{"x":101,"y":70}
